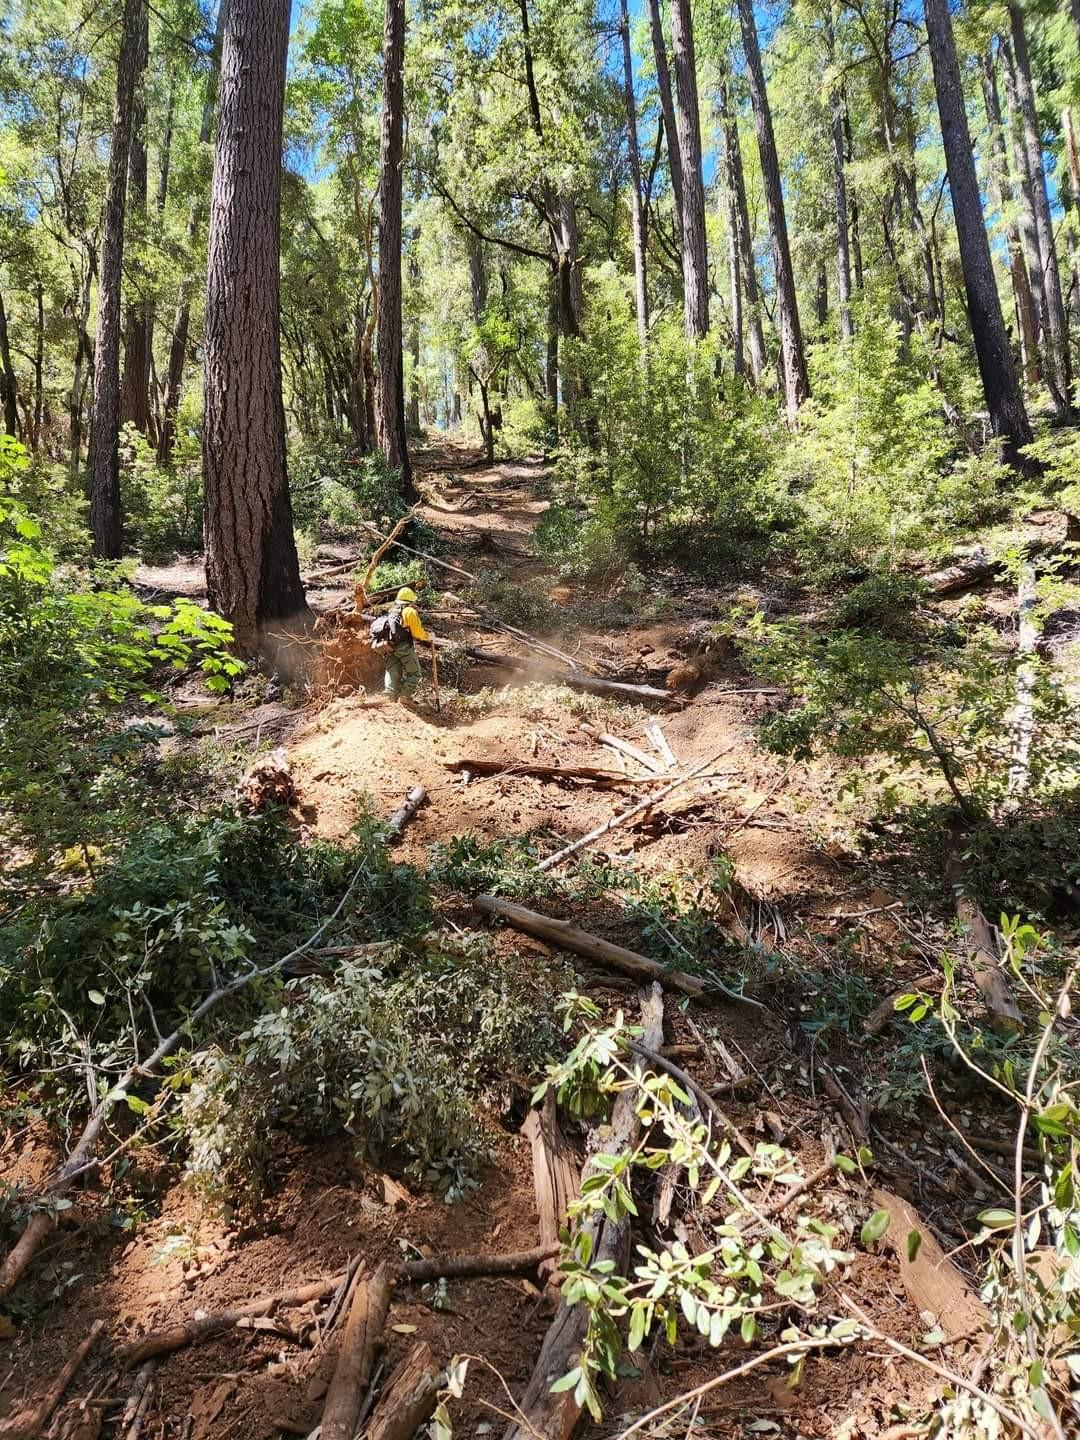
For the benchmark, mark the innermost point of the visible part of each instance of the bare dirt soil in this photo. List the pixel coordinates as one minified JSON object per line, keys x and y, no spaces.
{"x":798,"y":889}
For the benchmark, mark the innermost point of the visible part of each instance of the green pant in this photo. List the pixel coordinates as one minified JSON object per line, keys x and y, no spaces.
{"x":402,"y":672}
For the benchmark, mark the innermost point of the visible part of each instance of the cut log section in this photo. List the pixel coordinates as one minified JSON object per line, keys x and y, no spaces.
{"x":542,"y":1415}
{"x":576,"y":679}
{"x":603,"y":779}
{"x":416,"y":797}
{"x":648,"y":763}
{"x":408,"y":1397}
{"x":982,"y":947}
{"x":664,"y":750}
{"x":555,"y":1178}
{"x":930,"y":1278}
{"x":565,"y":935}
{"x":363,"y":1329}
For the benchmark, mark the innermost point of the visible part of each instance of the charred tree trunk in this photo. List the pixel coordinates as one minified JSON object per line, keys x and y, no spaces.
{"x":695,"y":264}
{"x":792,"y":355}
{"x":1005,"y":198}
{"x":106,"y":522}
{"x":1058,"y":367}
{"x":135,"y":381}
{"x":667,"y":107}
{"x":390,"y":414}
{"x":9,"y":387}
{"x":252,"y":571}
{"x":637,"y":207}
{"x":174,"y":377}
{"x":736,"y":186}
{"x":1003,"y":398}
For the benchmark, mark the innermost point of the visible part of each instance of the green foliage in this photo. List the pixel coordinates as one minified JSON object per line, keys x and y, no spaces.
{"x":523,"y":604}
{"x":72,"y":654}
{"x":936,"y":703}
{"x":503,"y":867}
{"x":163,"y":508}
{"x":668,"y":459}
{"x":407,"y":1060}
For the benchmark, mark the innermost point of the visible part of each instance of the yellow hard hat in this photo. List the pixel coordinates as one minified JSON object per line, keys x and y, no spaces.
{"x":406,"y":596}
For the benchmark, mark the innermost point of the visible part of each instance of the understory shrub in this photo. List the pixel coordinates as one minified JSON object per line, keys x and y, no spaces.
{"x":163,"y":505}
{"x":408,"y":1060}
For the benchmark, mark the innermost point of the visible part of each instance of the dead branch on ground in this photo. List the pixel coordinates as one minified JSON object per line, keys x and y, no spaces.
{"x":28,"y":1422}
{"x":363,"y":1329}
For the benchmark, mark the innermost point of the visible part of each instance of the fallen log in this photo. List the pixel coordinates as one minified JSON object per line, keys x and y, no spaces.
{"x":360,"y":593}
{"x":416,"y":797}
{"x":190,"y":1332}
{"x":555,"y":1179}
{"x":363,"y":1329}
{"x":626,"y":815}
{"x":604,"y":779}
{"x":566,"y":935}
{"x":469,"y":1267}
{"x":577,"y":680}
{"x":408,"y":1397}
{"x":542,"y":1415}
{"x":930,"y":1278}
{"x":856,"y":1116}
{"x":663,"y":749}
{"x":29,"y":1421}
{"x":982,"y":946}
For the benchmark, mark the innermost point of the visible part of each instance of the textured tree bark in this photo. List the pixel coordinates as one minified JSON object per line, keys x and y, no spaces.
{"x":1005,"y":198}
{"x":1003,"y":398}
{"x":637,"y":208}
{"x":83,"y":354}
{"x":1022,"y":166}
{"x":252,"y":571}
{"x":174,"y":379}
{"x":667,"y":107}
{"x":106,"y":522}
{"x":9,"y":387}
{"x":135,"y":380}
{"x":792,"y":355}
{"x":695,"y":263}
{"x":843,"y":253}
{"x":755,"y":334}
{"x":731,"y":211}
{"x":39,"y":365}
{"x":390,"y":409}
{"x":1058,"y":367}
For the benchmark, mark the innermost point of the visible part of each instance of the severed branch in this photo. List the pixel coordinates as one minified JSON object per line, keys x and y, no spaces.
{"x":404,"y":813}
{"x":407,"y":1398}
{"x":28,"y":1423}
{"x":373,"y":564}
{"x":363,"y":1329}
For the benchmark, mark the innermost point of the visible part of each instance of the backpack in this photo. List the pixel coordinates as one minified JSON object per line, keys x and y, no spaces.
{"x":388,"y":631}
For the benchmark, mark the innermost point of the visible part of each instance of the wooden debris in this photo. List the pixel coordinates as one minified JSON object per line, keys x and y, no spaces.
{"x":930,"y":1278}
{"x":541,"y":1414}
{"x":555,"y":1179}
{"x":885,"y":1011}
{"x":408,"y":1397}
{"x":577,"y":680}
{"x":142,"y":1393}
{"x":632,"y":813}
{"x":428,"y":559}
{"x":566,"y":935}
{"x":363,"y":1329}
{"x":29,"y":1421}
{"x":360,"y":593}
{"x":700,"y":1094}
{"x":857,"y":1116}
{"x":624,"y":747}
{"x":1022,"y":719}
{"x":982,"y":946}
{"x":268,"y":782}
{"x":416,"y":797}
{"x":659,"y":739}
{"x":603,"y":779}
{"x":175,"y":1337}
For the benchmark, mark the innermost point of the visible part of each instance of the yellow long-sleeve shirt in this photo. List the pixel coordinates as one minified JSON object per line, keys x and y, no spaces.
{"x":410,"y":618}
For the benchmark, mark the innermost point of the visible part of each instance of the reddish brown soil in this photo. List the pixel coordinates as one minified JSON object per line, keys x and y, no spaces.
{"x":793,"y":874}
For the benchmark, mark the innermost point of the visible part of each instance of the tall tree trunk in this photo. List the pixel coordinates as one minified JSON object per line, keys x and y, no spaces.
{"x":252,"y":571}
{"x":1005,"y":200}
{"x":637,"y":206}
{"x":1003,"y":398}
{"x":667,"y":107}
{"x":39,"y":365}
{"x":792,"y":355}
{"x":1028,"y":229}
{"x":843,"y":254}
{"x":106,"y":522}
{"x":135,"y":380}
{"x":695,"y":265}
{"x":731,"y":215}
{"x":853,"y":206}
{"x":736,"y":186}
{"x":1058,"y":369}
{"x":160,"y":197}
{"x":480,"y":369}
{"x":174,"y":376}
{"x":1072,"y":298}
{"x":84,"y":353}
{"x":391,"y":396}
{"x":414,"y":353}
{"x":821,"y":295}
{"x":9,"y":386}
{"x":551,"y":355}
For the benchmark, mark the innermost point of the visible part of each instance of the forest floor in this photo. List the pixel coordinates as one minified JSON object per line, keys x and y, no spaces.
{"x":802,"y":892}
